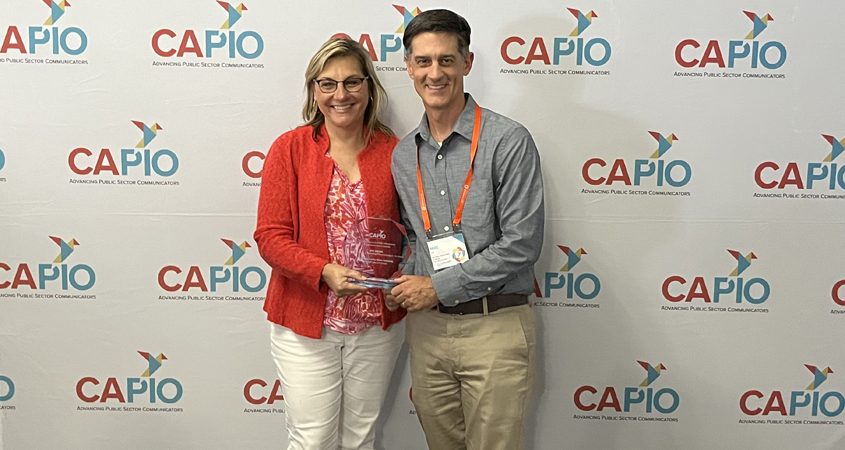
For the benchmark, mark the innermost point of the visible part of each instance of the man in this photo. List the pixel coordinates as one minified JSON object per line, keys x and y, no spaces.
{"x":471,"y":328}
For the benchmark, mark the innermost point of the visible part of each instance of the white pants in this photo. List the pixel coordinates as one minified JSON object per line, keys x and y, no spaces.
{"x":334,"y":387}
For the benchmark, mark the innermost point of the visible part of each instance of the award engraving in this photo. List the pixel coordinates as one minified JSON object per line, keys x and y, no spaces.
{"x":381,"y":253}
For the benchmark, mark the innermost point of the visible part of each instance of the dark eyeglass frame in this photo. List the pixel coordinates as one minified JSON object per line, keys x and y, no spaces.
{"x":346,"y":84}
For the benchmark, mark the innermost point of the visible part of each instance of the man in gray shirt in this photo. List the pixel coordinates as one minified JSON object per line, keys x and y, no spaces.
{"x":475,"y":218}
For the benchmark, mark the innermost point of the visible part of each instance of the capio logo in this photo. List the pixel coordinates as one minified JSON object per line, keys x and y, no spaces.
{"x":253,"y":163}
{"x":47,"y":39}
{"x":143,"y":389}
{"x":386,"y":44}
{"x":7,"y":388}
{"x":208,"y":279}
{"x":644,"y":398}
{"x":260,"y":392}
{"x":748,"y":53}
{"x":573,"y":286}
{"x":838,"y":292}
{"x":736,"y":289}
{"x":211,"y":43}
{"x":556,"y":50}
{"x":138,"y":161}
{"x":824,"y":176}
{"x":809,"y":402}
{"x":657,"y":170}
{"x":56,"y":275}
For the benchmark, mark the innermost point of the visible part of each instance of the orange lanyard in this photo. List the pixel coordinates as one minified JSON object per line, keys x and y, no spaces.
{"x":456,"y":222}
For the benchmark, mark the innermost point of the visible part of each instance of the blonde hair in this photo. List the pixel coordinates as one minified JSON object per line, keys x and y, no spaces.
{"x":337,"y":48}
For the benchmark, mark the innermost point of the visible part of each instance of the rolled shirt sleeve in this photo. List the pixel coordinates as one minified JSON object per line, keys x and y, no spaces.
{"x":520,"y":218}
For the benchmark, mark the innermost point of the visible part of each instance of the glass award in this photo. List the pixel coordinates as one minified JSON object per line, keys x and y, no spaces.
{"x":381,"y":247}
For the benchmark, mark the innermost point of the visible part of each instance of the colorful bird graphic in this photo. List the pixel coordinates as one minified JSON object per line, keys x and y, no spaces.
{"x":66,"y":248}
{"x":663,"y":143}
{"x":819,"y":376}
{"x":56,"y":10}
{"x":407,"y":15}
{"x":742,"y":261}
{"x":584,"y":20}
{"x":760,"y":24}
{"x":153,"y":364}
{"x":652,"y":372}
{"x":237,"y":250}
{"x":572,"y":257}
{"x":235,"y":14}
{"x":838,"y":147}
{"x":150,"y":133}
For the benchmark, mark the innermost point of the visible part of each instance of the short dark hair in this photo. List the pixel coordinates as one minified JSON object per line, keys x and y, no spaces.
{"x":438,"y":21}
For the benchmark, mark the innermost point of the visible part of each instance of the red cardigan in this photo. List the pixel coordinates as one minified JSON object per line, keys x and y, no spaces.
{"x":291,"y":231}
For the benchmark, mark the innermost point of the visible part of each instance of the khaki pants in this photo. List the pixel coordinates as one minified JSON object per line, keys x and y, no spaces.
{"x":471,"y":377}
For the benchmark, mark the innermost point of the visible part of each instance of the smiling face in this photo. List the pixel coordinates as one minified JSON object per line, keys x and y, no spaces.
{"x":438,"y":69}
{"x":343,"y":109}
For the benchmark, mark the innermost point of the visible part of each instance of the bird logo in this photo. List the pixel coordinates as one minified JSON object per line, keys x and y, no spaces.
{"x":572,"y":257}
{"x":664,"y":143}
{"x":838,"y":147}
{"x":742,"y":261}
{"x":2,"y":160}
{"x":153,"y":363}
{"x":150,"y":132}
{"x":652,"y":372}
{"x":760,"y":24}
{"x":819,"y":376}
{"x":237,"y":250}
{"x":407,"y":16}
{"x":57,"y":9}
{"x":235,"y":14}
{"x":66,"y":248}
{"x":584,"y":21}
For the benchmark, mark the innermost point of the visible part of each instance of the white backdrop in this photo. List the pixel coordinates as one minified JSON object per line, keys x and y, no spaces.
{"x":139,"y":262}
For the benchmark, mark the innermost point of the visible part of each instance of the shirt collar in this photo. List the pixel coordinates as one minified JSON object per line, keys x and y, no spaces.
{"x":463,"y":127}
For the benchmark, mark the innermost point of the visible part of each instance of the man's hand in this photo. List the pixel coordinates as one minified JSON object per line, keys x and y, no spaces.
{"x":415,"y":293}
{"x":336,"y":278}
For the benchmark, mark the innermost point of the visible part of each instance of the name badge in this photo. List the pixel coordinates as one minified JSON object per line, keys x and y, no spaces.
{"x":447,"y":250}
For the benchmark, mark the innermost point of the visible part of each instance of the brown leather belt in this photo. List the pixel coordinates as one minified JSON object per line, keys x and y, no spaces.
{"x":494,"y":303}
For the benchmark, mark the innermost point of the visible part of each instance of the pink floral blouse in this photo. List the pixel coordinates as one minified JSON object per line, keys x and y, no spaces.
{"x":346,"y":227}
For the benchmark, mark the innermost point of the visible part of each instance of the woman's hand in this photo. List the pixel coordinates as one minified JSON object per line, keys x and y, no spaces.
{"x":390,"y":301}
{"x":337,"y":278}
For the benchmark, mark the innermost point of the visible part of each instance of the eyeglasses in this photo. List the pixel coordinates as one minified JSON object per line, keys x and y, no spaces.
{"x":351,"y":84}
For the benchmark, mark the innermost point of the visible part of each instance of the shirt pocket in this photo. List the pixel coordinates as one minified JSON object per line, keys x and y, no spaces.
{"x":479,"y":218}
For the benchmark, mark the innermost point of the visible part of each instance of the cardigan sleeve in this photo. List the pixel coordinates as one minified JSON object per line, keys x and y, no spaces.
{"x":277,"y":230}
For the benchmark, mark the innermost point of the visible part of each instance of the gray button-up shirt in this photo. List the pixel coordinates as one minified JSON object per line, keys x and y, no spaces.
{"x":503,"y":217}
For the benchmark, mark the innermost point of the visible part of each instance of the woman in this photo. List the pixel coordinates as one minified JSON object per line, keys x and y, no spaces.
{"x":331,"y":339}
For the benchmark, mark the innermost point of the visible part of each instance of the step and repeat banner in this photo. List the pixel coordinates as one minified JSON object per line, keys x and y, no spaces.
{"x":691,"y":290}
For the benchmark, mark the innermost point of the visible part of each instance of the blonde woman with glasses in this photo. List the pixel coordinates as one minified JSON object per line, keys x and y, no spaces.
{"x":334,"y":342}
